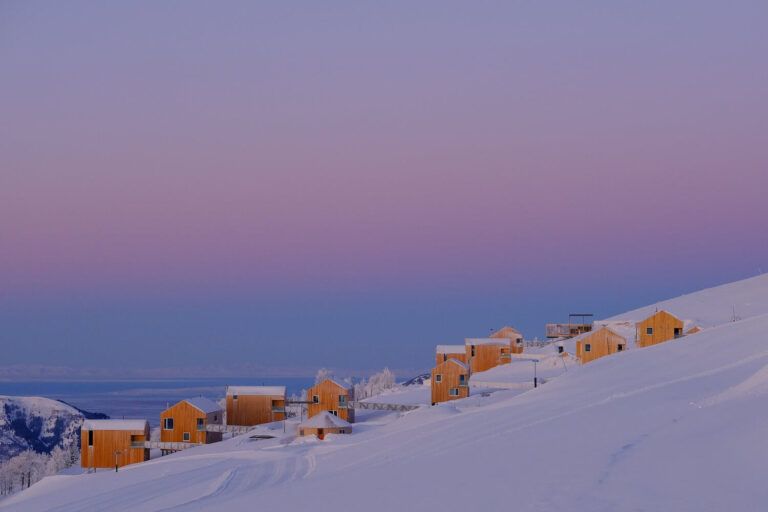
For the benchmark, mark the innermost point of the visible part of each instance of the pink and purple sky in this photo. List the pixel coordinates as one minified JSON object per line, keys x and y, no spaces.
{"x":349,"y":184}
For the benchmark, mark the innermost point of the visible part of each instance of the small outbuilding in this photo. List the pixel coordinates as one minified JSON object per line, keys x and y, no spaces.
{"x":514,"y":337}
{"x":186,"y":421}
{"x":446,"y":352}
{"x":253,"y":405}
{"x":596,"y":344}
{"x":450,"y":381}
{"x":106,"y":443}
{"x":323,"y":423}
{"x":332,"y":396}
{"x":658,"y":328}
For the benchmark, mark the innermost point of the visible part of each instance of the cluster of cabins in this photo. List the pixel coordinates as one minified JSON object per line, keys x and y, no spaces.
{"x":454,"y":364}
{"x":195,"y":421}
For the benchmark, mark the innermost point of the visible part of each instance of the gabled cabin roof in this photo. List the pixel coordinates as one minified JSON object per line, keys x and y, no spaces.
{"x":659,"y":312}
{"x":507,"y":329}
{"x":456,"y":362}
{"x":325,"y":419}
{"x":204,"y":405}
{"x":342,"y":385}
{"x":449,"y":349}
{"x":487,"y":341}
{"x":114,"y":425}
{"x":256,"y":390}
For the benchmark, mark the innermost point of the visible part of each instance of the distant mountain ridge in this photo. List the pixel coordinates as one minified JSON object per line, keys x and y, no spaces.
{"x":39,"y":424}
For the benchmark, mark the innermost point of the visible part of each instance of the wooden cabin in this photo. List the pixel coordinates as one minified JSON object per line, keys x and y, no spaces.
{"x":100,"y":439}
{"x":599,"y":343}
{"x":331,"y":396}
{"x":486,"y":353}
{"x":253,"y":405}
{"x":450,"y":381}
{"x":446,"y":352}
{"x":516,"y":339}
{"x":658,"y":328}
{"x":186,"y":421}
{"x":323,"y":423}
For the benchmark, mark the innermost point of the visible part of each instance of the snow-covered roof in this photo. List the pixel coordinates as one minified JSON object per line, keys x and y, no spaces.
{"x":450,"y":349}
{"x":487,"y":341}
{"x":325,"y":420}
{"x":203,"y":404}
{"x":256,"y":390}
{"x":114,"y":424}
{"x":339,"y":383}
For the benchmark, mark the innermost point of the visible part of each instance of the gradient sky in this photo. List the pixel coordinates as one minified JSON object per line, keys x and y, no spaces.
{"x":296,"y":184}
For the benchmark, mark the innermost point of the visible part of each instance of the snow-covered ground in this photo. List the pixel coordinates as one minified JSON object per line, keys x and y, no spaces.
{"x":677,"y":426}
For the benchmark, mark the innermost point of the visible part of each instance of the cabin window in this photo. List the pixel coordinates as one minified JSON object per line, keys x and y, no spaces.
{"x":462,"y":378}
{"x":445,"y":357}
{"x":560,"y":349}
{"x":90,"y":438}
{"x":342,"y":400}
{"x":168,"y":424}
{"x":315,"y":399}
{"x":678,"y":332}
{"x":200,"y":423}
{"x":186,"y":437}
{"x":587,"y":347}
{"x":234,"y":397}
{"x":335,"y":413}
{"x":438,"y":378}
{"x":301,"y":431}
{"x":621,"y":347}
{"x":473,"y":351}
{"x":215,"y":417}
{"x":519,"y":341}
{"x":453,"y":392}
{"x":319,"y":432}
{"x":649,"y":330}
{"x":341,"y":431}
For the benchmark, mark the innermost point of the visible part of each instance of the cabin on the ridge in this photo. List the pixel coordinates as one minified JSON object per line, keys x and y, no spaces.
{"x":599,"y":343}
{"x":516,"y":339}
{"x":186,"y":421}
{"x":331,"y":396}
{"x":253,"y":405}
{"x":658,"y":328}
{"x":104,"y":443}
{"x":446,"y":352}
{"x":450,"y":381}
{"x":486,"y":353}
{"x":323,"y":423}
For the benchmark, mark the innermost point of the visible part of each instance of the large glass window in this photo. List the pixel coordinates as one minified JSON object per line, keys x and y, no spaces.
{"x":168,"y":424}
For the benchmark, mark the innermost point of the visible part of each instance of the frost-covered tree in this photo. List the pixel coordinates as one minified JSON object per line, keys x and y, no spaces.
{"x":322,"y":374}
{"x":376,"y":384}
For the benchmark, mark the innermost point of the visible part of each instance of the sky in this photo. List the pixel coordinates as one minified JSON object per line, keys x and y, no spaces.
{"x":292,"y":185}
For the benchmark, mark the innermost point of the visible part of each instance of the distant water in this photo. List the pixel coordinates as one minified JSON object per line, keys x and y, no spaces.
{"x":144,"y":399}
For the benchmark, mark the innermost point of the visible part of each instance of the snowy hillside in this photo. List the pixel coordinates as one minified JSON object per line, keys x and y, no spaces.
{"x":37,"y":424}
{"x":712,"y":306}
{"x":677,"y":426}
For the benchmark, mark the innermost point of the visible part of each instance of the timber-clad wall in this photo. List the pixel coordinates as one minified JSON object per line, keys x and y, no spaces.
{"x":449,"y":373}
{"x":441,"y":358}
{"x":185,"y":420}
{"x":601,"y":343}
{"x":487,"y":357}
{"x":312,"y":431}
{"x":107,"y":442}
{"x":664,"y":325}
{"x":254,"y":409}
{"x":328,"y":393}
{"x":516,"y":339}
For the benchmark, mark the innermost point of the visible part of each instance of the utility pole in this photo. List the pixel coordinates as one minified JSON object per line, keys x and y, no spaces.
{"x":535,"y":379}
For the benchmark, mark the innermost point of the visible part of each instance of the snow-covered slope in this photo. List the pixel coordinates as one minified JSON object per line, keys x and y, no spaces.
{"x":36,"y":423}
{"x":712,"y":306}
{"x":677,"y":426}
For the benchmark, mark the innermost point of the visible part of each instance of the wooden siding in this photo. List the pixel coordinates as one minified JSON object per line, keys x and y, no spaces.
{"x":328,"y":393}
{"x":441,"y":358}
{"x":450,"y":373}
{"x":321,"y":432}
{"x":107,"y":442}
{"x":185,"y":418}
{"x":488,"y":356}
{"x":254,"y":409}
{"x":664,"y":327}
{"x":516,"y":343}
{"x":602,"y":342}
